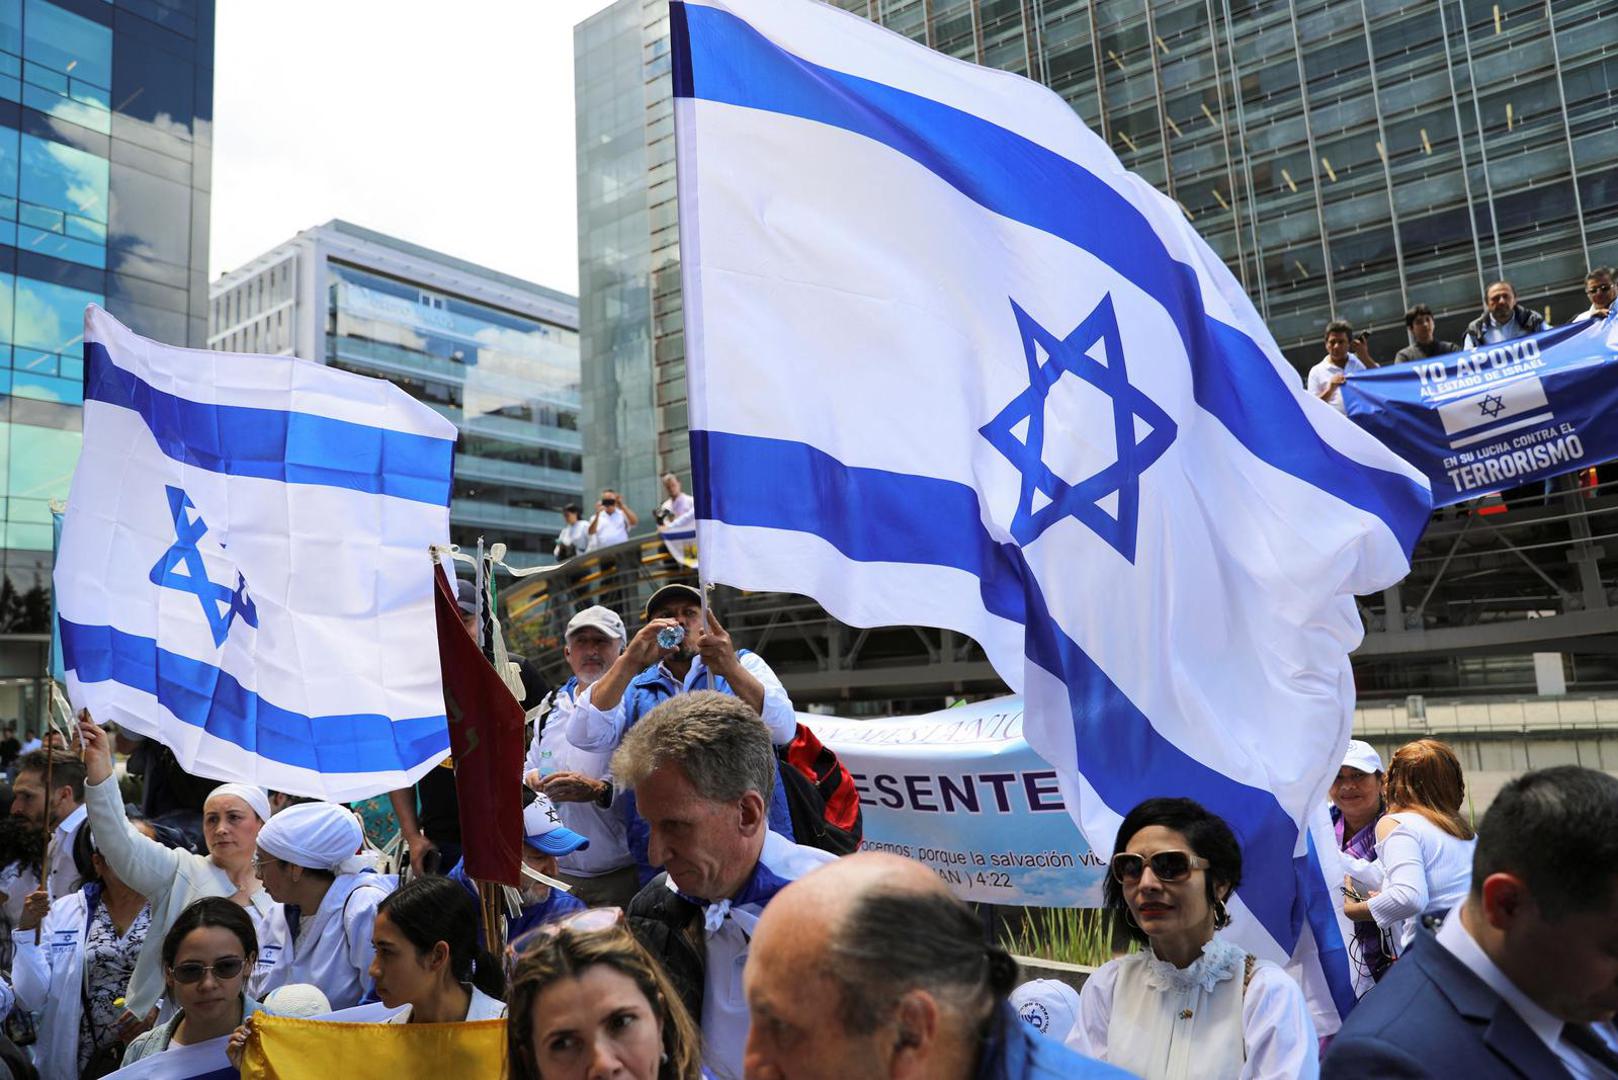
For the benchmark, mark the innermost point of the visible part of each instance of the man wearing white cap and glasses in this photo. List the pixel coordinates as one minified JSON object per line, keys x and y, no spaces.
{"x":1356,"y":796}
{"x":309,"y":859}
{"x":602,"y":874}
{"x":544,"y":840}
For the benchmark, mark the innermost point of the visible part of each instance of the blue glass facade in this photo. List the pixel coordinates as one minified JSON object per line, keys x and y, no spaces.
{"x":105,"y":148}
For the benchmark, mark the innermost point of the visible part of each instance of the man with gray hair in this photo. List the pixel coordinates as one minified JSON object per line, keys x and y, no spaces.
{"x":703,"y":769}
{"x":870,"y":968}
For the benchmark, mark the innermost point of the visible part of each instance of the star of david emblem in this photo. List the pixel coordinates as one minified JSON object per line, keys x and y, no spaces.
{"x":1142,"y":432}
{"x":213,"y":597}
{"x":1492,"y":406}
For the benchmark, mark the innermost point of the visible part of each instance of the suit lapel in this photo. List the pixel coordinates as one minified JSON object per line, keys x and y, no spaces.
{"x":1504,"y":1032}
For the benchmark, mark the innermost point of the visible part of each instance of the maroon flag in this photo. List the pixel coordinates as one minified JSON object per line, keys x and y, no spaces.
{"x":485,"y":737}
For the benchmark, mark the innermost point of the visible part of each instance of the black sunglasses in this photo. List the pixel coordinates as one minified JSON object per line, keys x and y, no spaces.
{"x":192,"y":971}
{"x":1167,"y":866}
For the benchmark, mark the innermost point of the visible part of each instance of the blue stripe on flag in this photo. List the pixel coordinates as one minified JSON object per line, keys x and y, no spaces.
{"x":776,"y":484}
{"x":726,"y":60}
{"x":207,"y":697}
{"x":1321,"y":912}
{"x":270,"y":444}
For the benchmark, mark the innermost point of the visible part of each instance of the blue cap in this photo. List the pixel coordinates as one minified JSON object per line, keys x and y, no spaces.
{"x":543,"y":829}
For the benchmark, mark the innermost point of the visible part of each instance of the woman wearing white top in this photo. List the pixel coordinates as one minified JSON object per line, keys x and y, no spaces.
{"x":170,"y":878}
{"x":1191,"y":1004}
{"x":88,"y":943}
{"x":1424,"y":846}
{"x":308,"y":858}
{"x":428,"y":958}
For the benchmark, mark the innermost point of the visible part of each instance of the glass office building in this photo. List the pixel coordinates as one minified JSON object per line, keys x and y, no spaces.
{"x":496,"y":355}
{"x":105,"y":148}
{"x":1345,"y":157}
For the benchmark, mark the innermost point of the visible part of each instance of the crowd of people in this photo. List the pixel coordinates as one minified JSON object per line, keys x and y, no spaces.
{"x":1502,"y":319}
{"x":671,"y":926}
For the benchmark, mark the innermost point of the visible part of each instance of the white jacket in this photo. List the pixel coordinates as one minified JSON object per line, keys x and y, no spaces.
{"x":49,"y":981}
{"x":170,"y":878}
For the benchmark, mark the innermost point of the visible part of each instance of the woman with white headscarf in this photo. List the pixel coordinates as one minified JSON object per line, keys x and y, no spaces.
{"x":308,"y":858}
{"x":169,"y":877}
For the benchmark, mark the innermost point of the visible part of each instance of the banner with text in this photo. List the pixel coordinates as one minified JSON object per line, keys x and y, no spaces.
{"x":963,"y":792}
{"x":1500,"y":416}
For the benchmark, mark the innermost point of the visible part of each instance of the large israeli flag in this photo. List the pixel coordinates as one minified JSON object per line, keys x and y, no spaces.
{"x":245,"y":570}
{"x":951,"y":365}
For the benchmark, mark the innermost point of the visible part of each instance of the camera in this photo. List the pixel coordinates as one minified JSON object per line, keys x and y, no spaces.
{"x":609,"y":502}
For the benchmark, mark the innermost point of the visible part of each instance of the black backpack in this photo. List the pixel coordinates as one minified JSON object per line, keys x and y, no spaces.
{"x":820,"y":795}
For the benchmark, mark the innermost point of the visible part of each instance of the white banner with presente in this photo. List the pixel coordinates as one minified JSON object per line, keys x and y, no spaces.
{"x":963,"y":792}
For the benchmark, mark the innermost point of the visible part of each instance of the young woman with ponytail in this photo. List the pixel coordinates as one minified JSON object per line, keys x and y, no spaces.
{"x":428,"y":958}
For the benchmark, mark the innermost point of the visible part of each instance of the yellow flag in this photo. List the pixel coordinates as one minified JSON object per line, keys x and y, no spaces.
{"x":288,"y":1048}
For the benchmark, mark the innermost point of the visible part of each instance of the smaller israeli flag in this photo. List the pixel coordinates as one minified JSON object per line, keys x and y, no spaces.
{"x":244,"y":570}
{"x":1504,"y":407}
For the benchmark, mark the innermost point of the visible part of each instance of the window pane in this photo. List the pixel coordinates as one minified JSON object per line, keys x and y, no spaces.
{"x":63,"y":178}
{"x":69,"y":43}
{"x":50,"y":317}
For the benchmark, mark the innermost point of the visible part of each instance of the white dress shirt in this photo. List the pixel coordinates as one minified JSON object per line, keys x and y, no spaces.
{"x":1455,"y":937}
{"x":332,"y":949}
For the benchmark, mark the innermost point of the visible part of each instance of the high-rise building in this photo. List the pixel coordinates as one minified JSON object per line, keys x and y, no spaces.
{"x":106,"y":114}
{"x":497,"y":355}
{"x":1346,"y":158}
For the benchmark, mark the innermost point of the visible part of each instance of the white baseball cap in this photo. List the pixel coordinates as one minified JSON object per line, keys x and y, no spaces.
{"x":1049,"y":1006}
{"x":599,"y":618}
{"x":1362,"y":756}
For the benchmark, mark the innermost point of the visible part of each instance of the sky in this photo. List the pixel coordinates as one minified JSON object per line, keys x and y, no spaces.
{"x":453,"y":131}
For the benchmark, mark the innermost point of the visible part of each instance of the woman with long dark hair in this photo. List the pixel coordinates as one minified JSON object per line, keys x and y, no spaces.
{"x":428,"y":957}
{"x":1190,"y":1004}
{"x":582,"y":990}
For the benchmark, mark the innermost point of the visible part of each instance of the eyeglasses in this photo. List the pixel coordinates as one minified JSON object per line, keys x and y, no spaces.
{"x":223,"y":969}
{"x":260,"y":860}
{"x":587,"y":921}
{"x":1605,"y":286}
{"x":1167,"y":866}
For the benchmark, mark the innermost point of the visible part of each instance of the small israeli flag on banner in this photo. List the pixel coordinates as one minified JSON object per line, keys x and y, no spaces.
{"x":950,"y":364}
{"x":244,"y":570}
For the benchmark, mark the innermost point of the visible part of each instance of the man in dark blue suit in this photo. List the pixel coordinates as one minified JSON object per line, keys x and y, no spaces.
{"x":1522,"y":980}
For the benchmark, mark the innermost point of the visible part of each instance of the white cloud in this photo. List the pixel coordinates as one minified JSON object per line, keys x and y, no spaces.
{"x":448,"y":126}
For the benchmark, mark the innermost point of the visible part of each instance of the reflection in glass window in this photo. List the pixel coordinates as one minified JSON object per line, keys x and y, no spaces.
{"x":63,"y":178}
{"x":11,"y":26}
{"x":68,"y":43}
{"x":41,"y":464}
{"x":50,"y":317}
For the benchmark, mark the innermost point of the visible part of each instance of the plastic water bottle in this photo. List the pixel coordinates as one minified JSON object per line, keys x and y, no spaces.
{"x":547,"y":763}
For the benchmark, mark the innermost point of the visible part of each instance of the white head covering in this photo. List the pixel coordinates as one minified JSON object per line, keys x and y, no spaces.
{"x":296,"y":999}
{"x":252,"y":796}
{"x":318,"y":836}
{"x":1049,"y":1006}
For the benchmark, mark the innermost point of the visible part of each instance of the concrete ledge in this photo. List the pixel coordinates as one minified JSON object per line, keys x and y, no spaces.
{"x":1034,"y":968}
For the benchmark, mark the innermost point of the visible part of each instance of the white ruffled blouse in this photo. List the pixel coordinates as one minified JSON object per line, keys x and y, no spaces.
{"x":1167,"y":1023}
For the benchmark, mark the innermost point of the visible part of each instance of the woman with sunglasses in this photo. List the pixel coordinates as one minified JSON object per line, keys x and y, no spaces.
{"x":1191,"y":1004}
{"x":587,"y":1000}
{"x":1424,"y":846}
{"x":207,"y":955}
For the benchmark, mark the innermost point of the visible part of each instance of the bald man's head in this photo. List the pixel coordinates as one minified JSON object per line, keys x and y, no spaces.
{"x":874,"y":950}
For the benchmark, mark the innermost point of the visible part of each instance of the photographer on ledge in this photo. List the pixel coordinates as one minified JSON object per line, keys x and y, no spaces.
{"x":611,"y":522}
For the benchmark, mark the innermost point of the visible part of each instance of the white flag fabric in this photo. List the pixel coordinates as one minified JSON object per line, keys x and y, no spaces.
{"x":244,"y":570}
{"x":950,"y":364}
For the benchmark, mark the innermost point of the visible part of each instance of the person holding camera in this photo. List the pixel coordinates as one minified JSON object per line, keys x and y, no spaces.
{"x":1327,"y":377}
{"x":611,"y":522}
